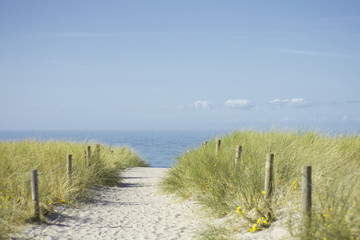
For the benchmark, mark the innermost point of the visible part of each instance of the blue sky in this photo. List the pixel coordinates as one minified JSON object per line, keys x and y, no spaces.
{"x":179,"y":64}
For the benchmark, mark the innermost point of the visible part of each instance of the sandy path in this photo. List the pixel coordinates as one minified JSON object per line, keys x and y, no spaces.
{"x":136,"y":210}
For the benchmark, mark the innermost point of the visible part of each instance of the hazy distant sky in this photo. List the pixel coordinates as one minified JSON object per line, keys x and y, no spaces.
{"x":197,"y":64}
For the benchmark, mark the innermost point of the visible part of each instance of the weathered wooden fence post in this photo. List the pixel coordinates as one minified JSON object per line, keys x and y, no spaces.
{"x":306,"y":189}
{"x":238,"y":151}
{"x":217,"y":147}
{"x":269,"y":176}
{"x":88,"y":155}
{"x":69,"y":167}
{"x":35,"y":194}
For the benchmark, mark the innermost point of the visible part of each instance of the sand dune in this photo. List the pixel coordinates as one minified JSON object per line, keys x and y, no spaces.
{"x":136,"y":210}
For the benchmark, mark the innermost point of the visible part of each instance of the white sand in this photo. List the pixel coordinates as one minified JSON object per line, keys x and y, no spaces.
{"x":136,"y":210}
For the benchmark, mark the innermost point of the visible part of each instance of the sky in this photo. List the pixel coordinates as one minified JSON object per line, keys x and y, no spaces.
{"x":175,"y":65}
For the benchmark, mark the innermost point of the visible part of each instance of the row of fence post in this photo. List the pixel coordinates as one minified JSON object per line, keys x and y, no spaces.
{"x":35,"y":181}
{"x":306,"y":185}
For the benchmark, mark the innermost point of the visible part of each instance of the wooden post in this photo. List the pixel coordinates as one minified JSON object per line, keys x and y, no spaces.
{"x":35,"y":194}
{"x":69,"y":167}
{"x":88,"y":154}
{"x":217,"y":149}
{"x":238,"y":151}
{"x":269,"y":175}
{"x":306,"y":188}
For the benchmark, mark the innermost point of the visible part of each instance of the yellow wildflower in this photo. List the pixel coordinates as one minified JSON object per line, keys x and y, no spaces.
{"x":239,"y":210}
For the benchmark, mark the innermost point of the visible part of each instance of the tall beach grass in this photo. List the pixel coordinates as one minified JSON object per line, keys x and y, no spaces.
{"x":226,"y":190}
{"x":17,"y":159}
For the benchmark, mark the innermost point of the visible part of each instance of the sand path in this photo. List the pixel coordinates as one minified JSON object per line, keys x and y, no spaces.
{"x":136,"y":210}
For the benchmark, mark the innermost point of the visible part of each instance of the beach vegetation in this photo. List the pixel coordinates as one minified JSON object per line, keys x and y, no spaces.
{"x":18,"y":158}
{"x":237,"y":191}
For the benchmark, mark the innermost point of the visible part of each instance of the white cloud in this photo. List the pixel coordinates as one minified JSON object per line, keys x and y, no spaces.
{"x":299,"y":102}
{"x":278,"y":101}
{"x":207,"y":105}
{"x":294,"y":102}
{"x":239,"y":103}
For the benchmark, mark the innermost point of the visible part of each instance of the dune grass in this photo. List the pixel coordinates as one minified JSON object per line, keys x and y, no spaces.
{"x":17,"y":159}
{"x":226,"y":190}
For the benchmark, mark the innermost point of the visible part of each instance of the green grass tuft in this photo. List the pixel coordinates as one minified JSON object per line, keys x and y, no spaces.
{"x":17,"y":159}
{"x":221,"y":188}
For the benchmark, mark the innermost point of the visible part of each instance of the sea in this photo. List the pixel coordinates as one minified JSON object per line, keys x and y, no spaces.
{"x":159,"y":148}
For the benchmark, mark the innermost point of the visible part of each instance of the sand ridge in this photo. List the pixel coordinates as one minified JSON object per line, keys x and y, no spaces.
{"x":135,"y":210}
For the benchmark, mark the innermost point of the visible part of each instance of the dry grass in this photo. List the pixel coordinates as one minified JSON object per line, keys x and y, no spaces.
{"x":222,"y":188}
{"x":17,"y":159}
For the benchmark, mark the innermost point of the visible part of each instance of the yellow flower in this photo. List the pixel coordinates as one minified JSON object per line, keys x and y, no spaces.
{"x":253,"y":199}
{"x":265,"y":222}
{"x":263,"y":192}
{"x":239,"y":210}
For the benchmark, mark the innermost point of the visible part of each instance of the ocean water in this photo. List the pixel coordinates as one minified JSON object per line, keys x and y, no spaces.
{"x":158,"y":148}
